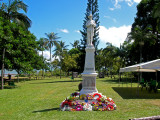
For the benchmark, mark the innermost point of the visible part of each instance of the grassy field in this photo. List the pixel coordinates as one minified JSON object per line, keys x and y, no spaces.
{"x":40,"y":99}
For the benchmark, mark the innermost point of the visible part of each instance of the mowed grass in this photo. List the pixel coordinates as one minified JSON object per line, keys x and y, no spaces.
{"x":40,"y":99}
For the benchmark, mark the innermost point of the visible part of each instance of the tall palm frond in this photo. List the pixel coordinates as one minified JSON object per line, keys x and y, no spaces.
{"x":75,"y":44}
{"x":11,"y":12}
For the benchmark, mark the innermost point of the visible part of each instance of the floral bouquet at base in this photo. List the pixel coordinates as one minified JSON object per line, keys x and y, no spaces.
{"x":89,"y":102}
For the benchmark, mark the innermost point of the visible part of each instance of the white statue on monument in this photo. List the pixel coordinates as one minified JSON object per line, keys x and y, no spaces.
{"x":90,"y":29}
{"x":89,"y":74}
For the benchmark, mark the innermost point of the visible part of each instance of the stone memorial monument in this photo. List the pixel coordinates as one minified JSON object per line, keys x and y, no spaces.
{"x":89,"y":75}
{"x":88,"y":99}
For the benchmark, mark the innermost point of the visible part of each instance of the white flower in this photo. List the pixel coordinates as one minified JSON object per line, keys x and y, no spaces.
{"x":87,"y":107}
{"x":66,"y":108}
{"x":115,"y":107}
{"x":104,"y":97}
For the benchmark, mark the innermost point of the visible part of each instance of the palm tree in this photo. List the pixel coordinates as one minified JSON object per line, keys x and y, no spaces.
{"x":140,"y":37}
{"x":59,"y":52}
{"x":75,"y":44}
{"x":11,"y":10}
{"x":43,"y":46}
{"x":51,"y":40}
{"x":11,"y":13}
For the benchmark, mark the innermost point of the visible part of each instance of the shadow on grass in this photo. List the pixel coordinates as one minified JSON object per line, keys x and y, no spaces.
{"x":10,"y":87}
{"x":116,"y":80}
{"x":57,"y":81}
{"x":46,"y":110}
{"x":111,"y":81}
{"x":135,"y":93}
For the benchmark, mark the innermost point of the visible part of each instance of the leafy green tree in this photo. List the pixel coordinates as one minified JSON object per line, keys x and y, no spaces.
{"x":23,"y":54}
{"x":108,"y":59}
{"x":69,"y":62}
{"x":5,"y":37}
{"x":76,"y":52}
{"x":156,"y":14}
{"x":148,"y":23}
{"x":21,"y":48}
{"x":59,"y":52}
{"x":55,"y":63}
{"x":11,"y":13}
{"x":51,"y":40}
{"x":141,"y":39}
{"x":125,"y":53}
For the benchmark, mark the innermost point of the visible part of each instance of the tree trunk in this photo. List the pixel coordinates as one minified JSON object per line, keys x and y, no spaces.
{"x":72,"y":76}
{"x":43,"y":67}
{"x":50,"y":60}
{"x":18,"y":75}
{"x":60,"y":73}
{"x":2,"y":74}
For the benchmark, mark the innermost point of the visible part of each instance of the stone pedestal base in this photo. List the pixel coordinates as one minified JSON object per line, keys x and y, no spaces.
{"x":89,"y":83}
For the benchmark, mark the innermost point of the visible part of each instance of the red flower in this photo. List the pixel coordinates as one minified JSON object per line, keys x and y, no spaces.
{"x":93,"y":103}
{"x":97,"y":94}
{"x":99,"y":100}
{"x":110,"y":107}
{"x":66,"y":102}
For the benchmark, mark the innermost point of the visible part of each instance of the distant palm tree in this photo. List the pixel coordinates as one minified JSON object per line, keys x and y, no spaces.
{"x":51,"y":40}
{"x":75,"y":44}
{"x":43,"y":46}
{"x":59,"y":52}
{"x":11,"y":13}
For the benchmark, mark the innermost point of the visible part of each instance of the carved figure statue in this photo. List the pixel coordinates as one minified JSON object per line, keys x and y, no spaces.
{"x":90,"y":29}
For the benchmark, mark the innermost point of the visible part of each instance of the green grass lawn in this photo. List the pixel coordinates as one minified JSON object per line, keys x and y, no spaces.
{"x":40,"y":99}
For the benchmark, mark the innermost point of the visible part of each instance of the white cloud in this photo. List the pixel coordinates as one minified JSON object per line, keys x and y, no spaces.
{"x":77,"y":31}
{"x":114,"y":35}
{"x":113,"y":19}
{"x":64,"y":30}
{"x":46,"y":54}
{"x":137,"y":1}
{"x":129,"y":3}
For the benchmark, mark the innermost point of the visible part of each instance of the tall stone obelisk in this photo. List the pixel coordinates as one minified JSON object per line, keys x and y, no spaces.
{"x":89,"y":74}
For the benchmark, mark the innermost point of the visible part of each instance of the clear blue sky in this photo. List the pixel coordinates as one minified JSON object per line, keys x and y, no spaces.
{"x":65,"y":17}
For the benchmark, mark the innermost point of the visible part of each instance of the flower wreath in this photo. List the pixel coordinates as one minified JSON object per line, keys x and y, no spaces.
{"x":97,"y":94}
{"x":110,"y":100}
{"x":110,"y":107}
{"x":98,"y":108}
{"x":79,"y":107}
{"x":66,"y":102}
